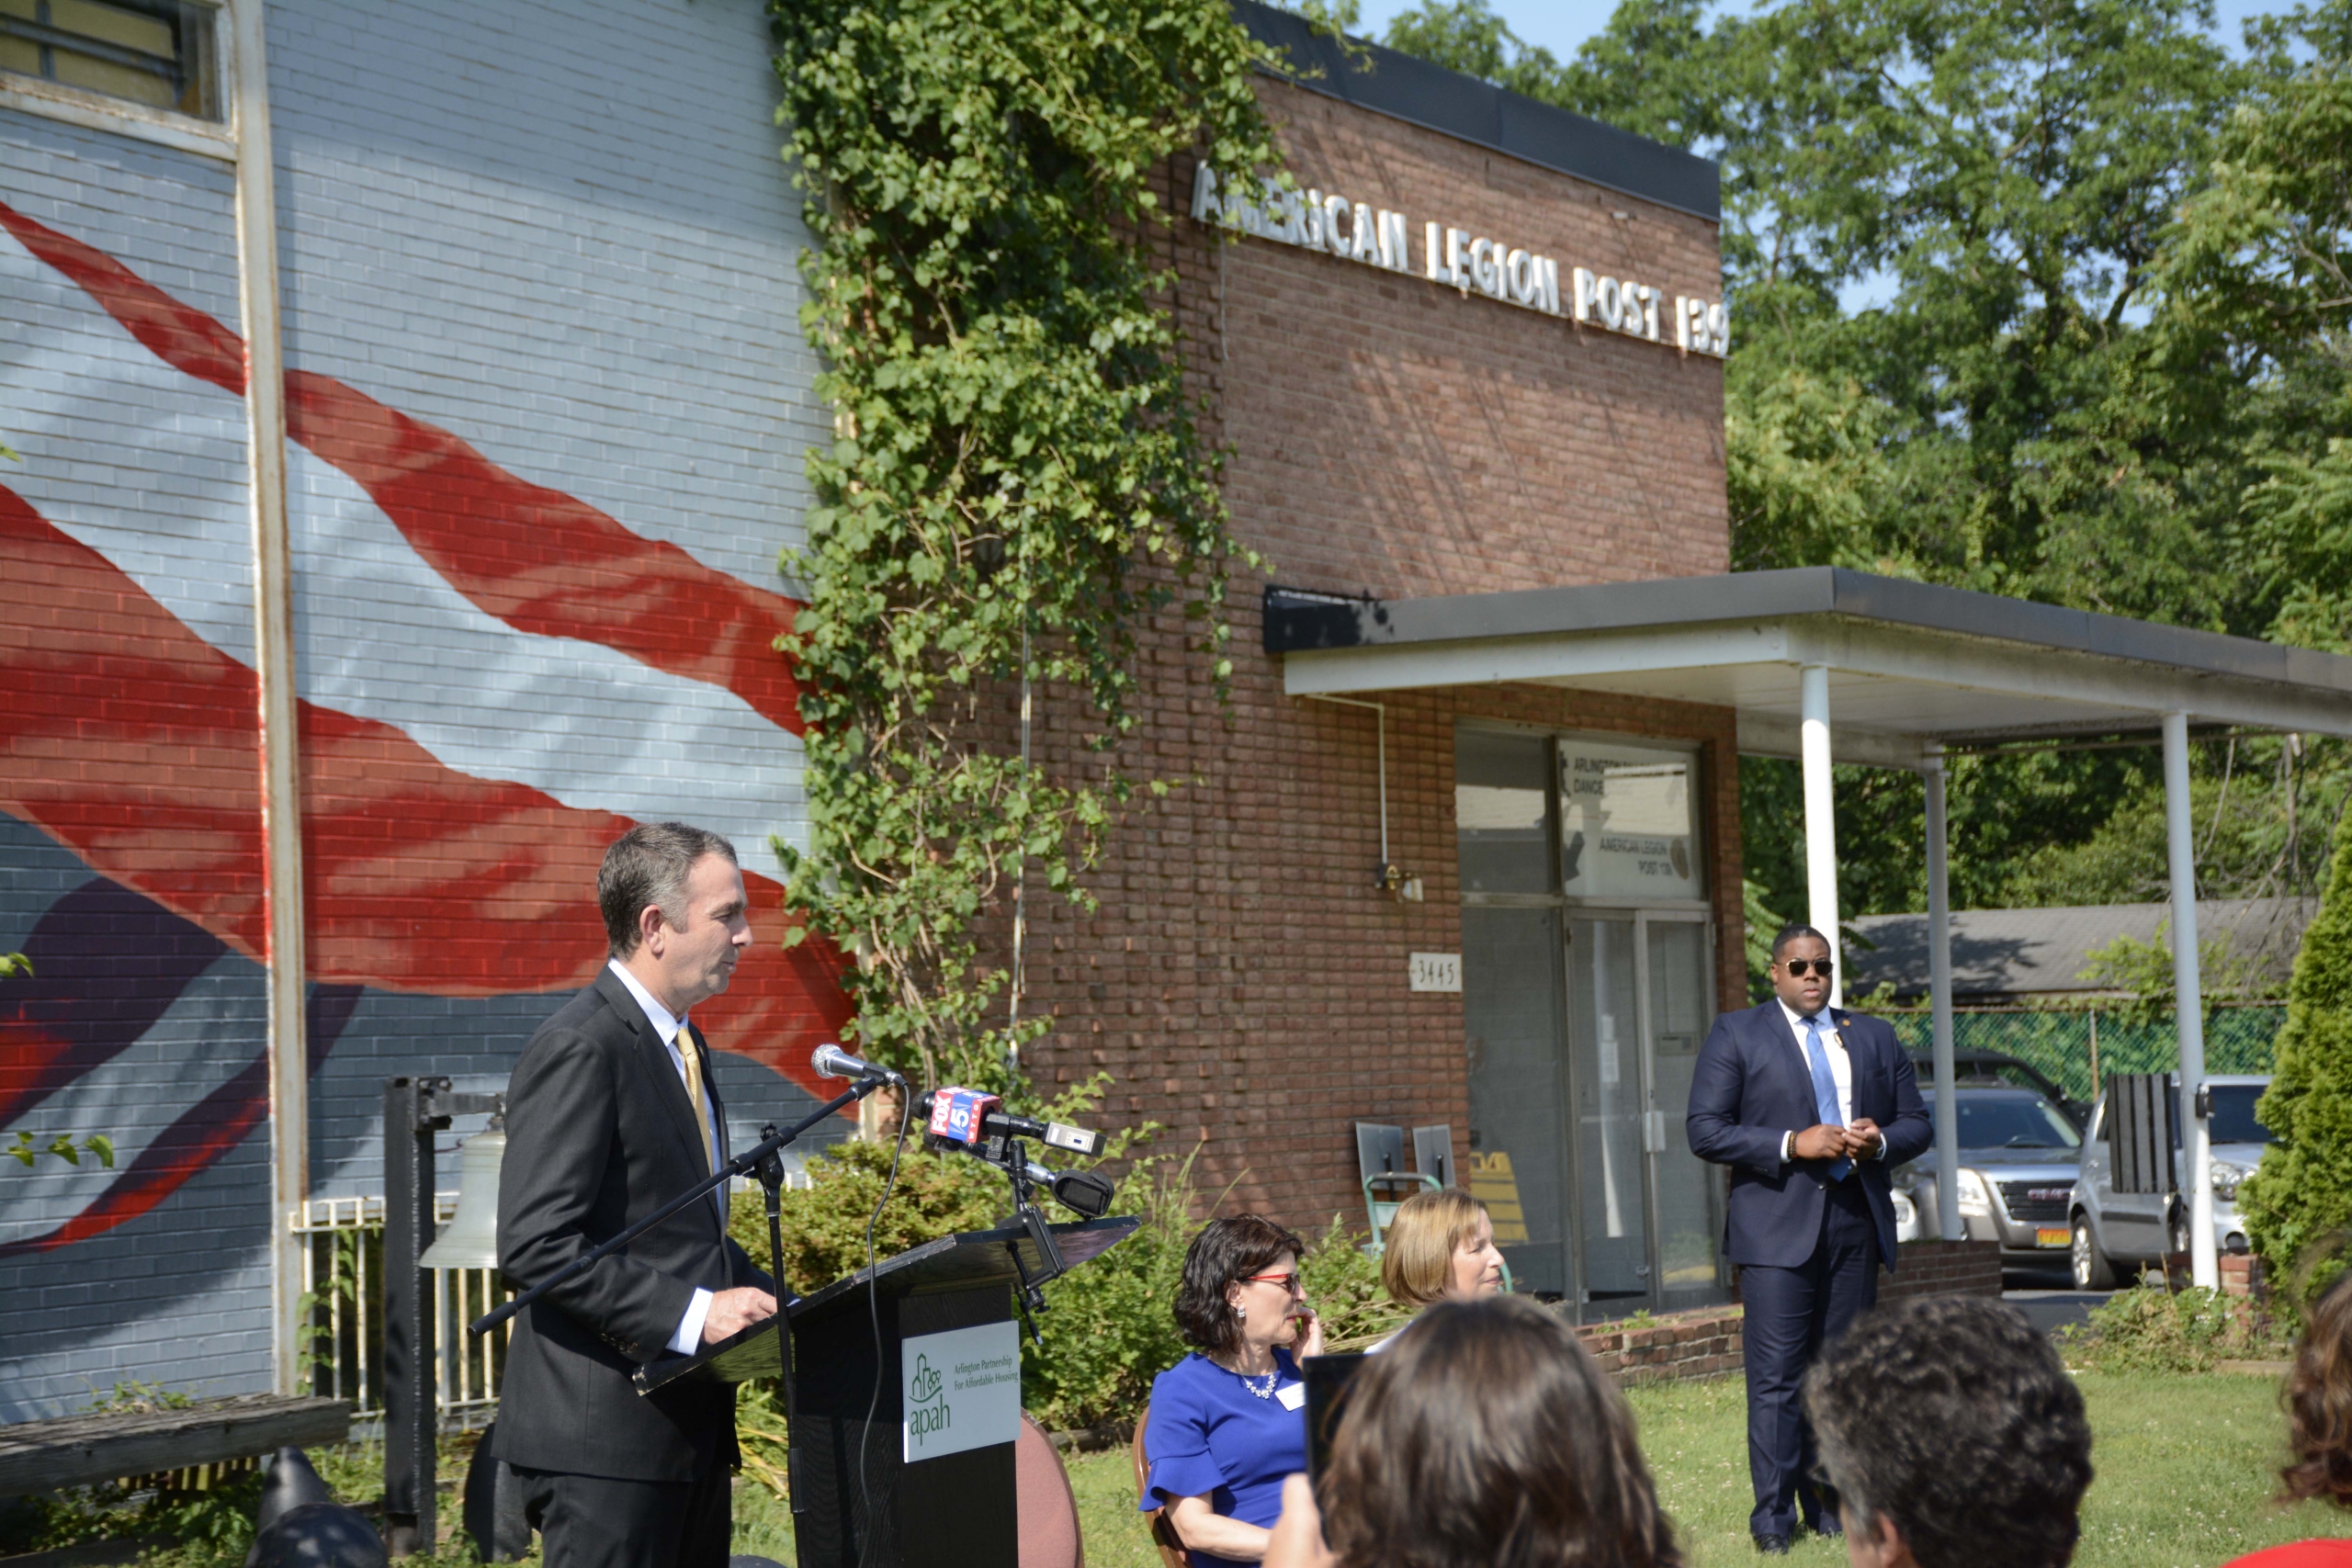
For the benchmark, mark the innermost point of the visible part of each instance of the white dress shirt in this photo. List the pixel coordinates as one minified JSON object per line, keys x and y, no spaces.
{"x":1841,"y":1070}
{"x":689,"y":1336}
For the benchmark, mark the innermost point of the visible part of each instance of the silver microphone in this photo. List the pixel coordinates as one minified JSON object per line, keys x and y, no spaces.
{"x":832,"y":1061}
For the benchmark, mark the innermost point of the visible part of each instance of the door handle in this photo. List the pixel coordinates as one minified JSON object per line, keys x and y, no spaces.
{"x":1654,"y":1132}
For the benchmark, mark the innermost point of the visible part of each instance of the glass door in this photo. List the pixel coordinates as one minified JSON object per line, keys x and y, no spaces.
{"x":1648,"y":1214}
{"x":1688,"y":1217}
{"x":1605,"y":1067}
{"x":1588,"y":984}
{"x":1518,"y":1154}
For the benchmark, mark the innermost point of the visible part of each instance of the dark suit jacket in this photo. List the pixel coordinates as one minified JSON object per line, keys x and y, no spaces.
{"x":599,"y":1134}
{"x":1752,"y":1085}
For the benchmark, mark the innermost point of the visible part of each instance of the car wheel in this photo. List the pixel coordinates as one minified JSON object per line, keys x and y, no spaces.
{"x":2091,"y":1269}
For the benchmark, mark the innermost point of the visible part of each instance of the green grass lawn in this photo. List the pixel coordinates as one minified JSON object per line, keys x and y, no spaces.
{"x":2186,"y":1469}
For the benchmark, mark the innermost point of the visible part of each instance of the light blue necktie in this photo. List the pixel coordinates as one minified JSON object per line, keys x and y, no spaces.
{"x":1825,"y":1091}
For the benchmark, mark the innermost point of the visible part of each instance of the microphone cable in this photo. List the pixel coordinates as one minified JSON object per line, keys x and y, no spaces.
{"x":874,"y":1310}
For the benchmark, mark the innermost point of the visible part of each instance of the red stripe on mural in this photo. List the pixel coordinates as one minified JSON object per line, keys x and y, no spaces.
{"x":132,"y":740}
{"x":537,"y":558}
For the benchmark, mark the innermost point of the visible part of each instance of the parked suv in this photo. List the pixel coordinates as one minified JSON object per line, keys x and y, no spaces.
{"x":2019,"y":1151}
{"x":2112,"y":1235}
{"x":1995,"y":1068}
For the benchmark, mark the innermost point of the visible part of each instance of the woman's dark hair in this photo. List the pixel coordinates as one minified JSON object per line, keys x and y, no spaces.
{"x":1227,"y":1250}
{"x":2318,"y":1397}
{"x":1486,"y":1437}
{"x":1953,"y":1416}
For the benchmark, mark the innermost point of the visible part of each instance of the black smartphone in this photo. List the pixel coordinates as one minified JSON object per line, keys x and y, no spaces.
{"x":1327,"y":1397}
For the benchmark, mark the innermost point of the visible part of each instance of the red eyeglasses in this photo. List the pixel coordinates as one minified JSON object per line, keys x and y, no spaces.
{"x":1287,"y":1281}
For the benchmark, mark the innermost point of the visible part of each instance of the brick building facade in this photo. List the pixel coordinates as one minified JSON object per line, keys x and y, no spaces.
{"x":1244,"y":982}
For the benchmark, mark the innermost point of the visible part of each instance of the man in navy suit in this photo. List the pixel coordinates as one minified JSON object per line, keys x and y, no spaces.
{"x":1810,"y":1106}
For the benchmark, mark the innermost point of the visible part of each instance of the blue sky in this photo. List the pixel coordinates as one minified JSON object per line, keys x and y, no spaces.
{"x":1561,"y":24}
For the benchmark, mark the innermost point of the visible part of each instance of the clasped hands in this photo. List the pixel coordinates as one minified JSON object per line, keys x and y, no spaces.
{"x":1858,"y":1141}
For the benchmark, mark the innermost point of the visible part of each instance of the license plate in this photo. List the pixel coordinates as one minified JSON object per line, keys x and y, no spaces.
{"x":2052,"y":1235}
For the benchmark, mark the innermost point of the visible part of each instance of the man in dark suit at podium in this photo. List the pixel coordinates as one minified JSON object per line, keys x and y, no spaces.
{"x":1810,"y":1106}
{"x":610,"y":1114}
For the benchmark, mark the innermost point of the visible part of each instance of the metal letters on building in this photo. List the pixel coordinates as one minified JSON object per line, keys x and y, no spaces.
{"x":1474,"y":263}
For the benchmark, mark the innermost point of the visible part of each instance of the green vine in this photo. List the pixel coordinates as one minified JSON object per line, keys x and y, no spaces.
{"x":1018,"y":479}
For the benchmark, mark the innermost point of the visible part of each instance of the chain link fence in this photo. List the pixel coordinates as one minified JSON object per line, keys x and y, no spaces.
{"x":2076,"y":1048}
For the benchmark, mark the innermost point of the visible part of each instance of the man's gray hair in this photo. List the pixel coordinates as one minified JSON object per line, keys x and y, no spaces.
{"x":649,"y":864}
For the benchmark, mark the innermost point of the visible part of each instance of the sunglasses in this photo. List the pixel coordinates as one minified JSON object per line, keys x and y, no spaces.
{"x":1287,"y":1281}
{"x":1800,"y":967}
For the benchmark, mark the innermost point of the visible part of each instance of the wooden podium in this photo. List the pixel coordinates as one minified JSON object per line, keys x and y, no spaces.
{"x":942,"y":1490}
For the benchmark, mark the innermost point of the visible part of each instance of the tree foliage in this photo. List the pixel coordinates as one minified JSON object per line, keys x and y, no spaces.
{"x":2040,"y":299}
{"x":2298,"y":1203}
{"x":1018,"y":476}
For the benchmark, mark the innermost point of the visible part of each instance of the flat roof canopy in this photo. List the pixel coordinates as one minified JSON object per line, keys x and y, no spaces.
{"x":1908,"y":663}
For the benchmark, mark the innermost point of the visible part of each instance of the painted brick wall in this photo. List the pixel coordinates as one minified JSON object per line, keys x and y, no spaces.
{"x":558,"y":236}
{"x":145,"y":467}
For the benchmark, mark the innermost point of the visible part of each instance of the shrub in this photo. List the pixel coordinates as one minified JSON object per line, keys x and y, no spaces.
{"x":2150,"y":1329}
{"x":2299,"y":1198}
{"x":824,"y":1225}
{"x":1108,"y":1329}
{"x":1343,"y":1282}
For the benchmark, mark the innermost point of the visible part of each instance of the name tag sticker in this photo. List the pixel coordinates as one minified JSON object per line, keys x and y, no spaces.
{"x":1293,"y":1397}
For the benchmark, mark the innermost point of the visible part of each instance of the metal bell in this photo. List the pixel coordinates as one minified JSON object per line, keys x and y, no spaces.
{"x":470,"y":1238}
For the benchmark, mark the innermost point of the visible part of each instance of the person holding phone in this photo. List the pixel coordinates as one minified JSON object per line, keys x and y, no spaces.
{"x":1229,"y":1422}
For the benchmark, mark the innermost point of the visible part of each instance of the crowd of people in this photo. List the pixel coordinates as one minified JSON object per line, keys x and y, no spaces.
{"x":1946,"y":1431}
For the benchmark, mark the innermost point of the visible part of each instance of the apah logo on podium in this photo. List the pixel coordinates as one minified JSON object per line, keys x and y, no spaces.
{"x":928,"y":1412}
{"x":960,"y":1390}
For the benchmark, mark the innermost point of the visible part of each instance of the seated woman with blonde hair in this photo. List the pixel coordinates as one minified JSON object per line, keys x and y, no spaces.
{"x":1440,"y":1247}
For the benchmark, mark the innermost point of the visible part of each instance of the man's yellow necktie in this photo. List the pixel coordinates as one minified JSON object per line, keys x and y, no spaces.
{"x":693,"y":1058}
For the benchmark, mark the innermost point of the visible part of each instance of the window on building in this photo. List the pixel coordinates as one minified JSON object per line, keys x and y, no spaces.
{"x":156,"y":52}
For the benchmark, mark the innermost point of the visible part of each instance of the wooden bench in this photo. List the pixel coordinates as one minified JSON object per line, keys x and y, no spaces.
{"x":82,"y":1450}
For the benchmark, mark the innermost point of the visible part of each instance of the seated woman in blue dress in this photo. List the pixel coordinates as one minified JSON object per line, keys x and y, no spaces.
{"x":1229,"y":1421}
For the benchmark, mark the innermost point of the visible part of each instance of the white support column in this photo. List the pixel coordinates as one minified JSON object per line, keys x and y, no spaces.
{"x":2188,"y":1001}
{"x":1948,"y":1221}
{"x":1820,"y":819}
{"x":289,"y":1083}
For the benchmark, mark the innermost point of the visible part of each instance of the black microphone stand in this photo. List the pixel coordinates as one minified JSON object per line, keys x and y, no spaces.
{"x":759,"y":1161}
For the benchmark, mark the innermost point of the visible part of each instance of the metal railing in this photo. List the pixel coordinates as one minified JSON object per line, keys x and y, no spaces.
{"x":344,"y":1297}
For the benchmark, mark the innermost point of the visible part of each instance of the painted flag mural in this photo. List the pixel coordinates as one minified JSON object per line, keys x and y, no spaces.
{"x":534,"y":510}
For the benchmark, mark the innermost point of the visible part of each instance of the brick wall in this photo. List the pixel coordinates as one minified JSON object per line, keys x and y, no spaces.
{"x":1683,"y":1346}
{"x":146,"y":467}
{"x":1243,"y":982}
{"x":1708,"y":1343}
{"x":1392,"y":434}
{"x":1944,"y":1269}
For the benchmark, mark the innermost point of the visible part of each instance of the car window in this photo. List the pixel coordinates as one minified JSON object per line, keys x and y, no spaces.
{"x":2012,"y":1121}
{"x":2234,"y":1121}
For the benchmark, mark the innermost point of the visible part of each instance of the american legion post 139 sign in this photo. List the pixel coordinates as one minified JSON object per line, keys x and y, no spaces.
{"x":1456,"y":258}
